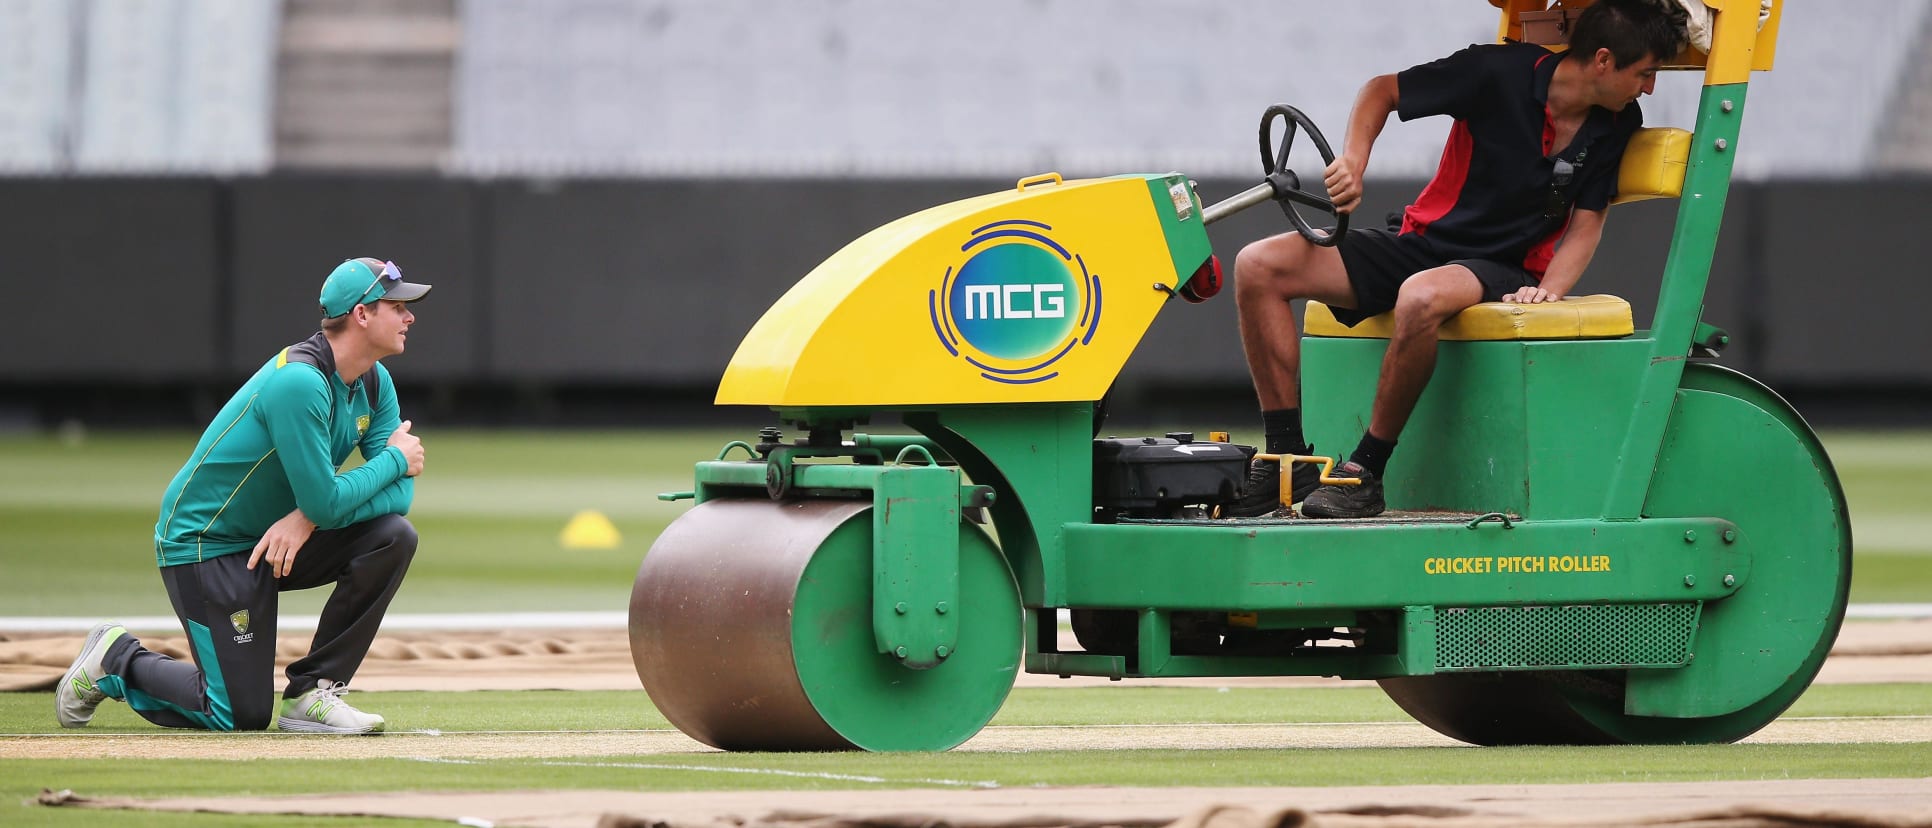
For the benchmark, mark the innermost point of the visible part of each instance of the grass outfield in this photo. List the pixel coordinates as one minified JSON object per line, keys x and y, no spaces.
{"x":454,"y":713}
{"x":79,"y":516}
{"x":80,"y":519}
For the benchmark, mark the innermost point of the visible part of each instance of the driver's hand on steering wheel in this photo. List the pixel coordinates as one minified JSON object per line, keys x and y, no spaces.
{"x":1344,"y":181}
{"x":1532,"y":295}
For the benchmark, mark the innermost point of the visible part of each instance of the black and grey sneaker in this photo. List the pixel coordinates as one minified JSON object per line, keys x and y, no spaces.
{"x":1262,"y":494}
{"x":1361,"y":501}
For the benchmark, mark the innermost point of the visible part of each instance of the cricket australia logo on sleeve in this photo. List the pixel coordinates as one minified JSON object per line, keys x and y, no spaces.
{"x":239,"y":619}
{"x":1017,"y":304}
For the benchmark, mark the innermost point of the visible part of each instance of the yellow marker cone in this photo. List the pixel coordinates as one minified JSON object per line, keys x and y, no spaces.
{"x":589,"y":529}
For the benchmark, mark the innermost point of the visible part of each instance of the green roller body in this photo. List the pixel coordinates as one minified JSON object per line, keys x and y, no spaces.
{"x":1590,"y":541}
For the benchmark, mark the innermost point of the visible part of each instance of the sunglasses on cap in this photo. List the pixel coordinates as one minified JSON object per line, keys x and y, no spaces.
{"x":1560,"y":174}
{"x":390,"y":272}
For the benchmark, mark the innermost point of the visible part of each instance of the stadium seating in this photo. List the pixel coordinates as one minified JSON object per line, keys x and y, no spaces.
{"x":821,"y":88}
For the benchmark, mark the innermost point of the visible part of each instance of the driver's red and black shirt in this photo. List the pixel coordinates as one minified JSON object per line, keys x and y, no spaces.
{"x":1492,"y":194}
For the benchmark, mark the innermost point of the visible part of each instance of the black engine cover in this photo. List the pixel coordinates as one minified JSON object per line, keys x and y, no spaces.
{"x":1155,"y":476}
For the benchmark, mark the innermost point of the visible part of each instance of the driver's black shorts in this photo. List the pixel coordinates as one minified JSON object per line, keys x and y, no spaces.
{"x":1378,"y":262}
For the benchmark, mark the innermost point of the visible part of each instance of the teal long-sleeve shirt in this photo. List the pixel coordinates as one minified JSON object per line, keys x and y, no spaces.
{"x":277,"y":445}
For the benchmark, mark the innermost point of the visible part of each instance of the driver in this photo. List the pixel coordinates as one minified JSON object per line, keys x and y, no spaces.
{"x":1513,"y":214}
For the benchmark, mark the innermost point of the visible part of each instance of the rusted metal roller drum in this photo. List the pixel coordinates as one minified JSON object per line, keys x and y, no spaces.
{"x":751,"y":629}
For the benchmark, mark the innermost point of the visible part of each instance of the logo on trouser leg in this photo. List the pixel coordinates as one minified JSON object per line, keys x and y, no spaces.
{"x":239,"y":619}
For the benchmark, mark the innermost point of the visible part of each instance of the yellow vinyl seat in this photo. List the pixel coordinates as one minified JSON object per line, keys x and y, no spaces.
{"x":1600,"y":316}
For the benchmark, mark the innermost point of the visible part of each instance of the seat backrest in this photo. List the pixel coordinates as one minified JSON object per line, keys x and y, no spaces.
{"x":1653,"y":165}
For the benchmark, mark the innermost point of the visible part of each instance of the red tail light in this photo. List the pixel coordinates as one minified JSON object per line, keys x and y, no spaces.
{"x":1205,"y":282}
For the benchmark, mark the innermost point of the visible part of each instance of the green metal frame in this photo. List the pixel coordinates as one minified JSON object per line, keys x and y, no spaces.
{"x":1680,"y":301}
{"x":915,"y":524}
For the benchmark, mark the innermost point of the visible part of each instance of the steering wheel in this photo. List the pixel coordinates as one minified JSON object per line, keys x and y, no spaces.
{"x":1287,"y":185}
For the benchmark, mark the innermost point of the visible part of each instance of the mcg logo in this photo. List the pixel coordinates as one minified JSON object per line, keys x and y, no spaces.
{"x":1016,"y":298}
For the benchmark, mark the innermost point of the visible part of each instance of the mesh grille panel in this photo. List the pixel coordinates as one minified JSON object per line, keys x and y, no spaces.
{"x":1586,"y":636}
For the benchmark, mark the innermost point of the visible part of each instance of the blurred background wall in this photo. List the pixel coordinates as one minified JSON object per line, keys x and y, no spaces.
{"x":607,"y":193}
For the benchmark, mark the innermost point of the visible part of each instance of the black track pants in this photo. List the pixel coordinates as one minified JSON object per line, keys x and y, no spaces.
{"x":229,"y":613}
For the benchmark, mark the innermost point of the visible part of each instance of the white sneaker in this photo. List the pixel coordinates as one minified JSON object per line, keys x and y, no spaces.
{"x":77,"y":694}
{"x":322,"y":710}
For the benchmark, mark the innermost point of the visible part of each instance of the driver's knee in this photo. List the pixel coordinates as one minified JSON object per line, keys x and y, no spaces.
{"x":1430,"y":301}
{"x":1268,"y":268}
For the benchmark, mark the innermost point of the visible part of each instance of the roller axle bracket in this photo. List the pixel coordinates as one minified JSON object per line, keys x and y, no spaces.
{"x":919,"y":499}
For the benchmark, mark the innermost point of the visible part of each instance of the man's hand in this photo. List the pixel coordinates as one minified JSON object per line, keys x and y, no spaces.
{"x":1532,"y":295}
{"x":283,"y":540}
{"x":1344,"y":181}
{"x":411,"y":445}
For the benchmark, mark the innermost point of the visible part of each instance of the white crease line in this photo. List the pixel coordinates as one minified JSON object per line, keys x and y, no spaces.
{"x":277,"y":734}
{"x":1888,"y":611}
{"x":837,"y":777}
{"x":1199,"y":725}
{"x":582,"y":732}
{"x":453,"y":621}
{"x":428,"y":731}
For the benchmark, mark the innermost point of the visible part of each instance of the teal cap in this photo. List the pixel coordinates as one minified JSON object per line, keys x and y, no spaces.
{"x":361,"y":281}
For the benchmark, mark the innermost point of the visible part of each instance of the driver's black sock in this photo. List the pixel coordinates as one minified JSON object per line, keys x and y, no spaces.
{"x":1281,"y":429}
{"x":1373,"y":453}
